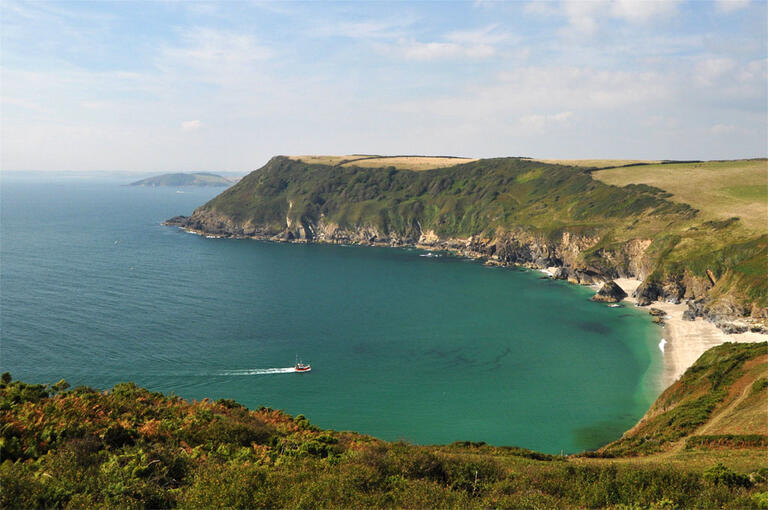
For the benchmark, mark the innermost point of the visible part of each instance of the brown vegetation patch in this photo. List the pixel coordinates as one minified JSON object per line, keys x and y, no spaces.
{"x":414,"y":163}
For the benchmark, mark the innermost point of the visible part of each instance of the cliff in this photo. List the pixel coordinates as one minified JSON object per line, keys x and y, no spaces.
{"x":507,"y":211}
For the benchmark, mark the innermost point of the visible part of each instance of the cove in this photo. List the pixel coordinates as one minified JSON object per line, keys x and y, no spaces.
{"x":425,"y":349}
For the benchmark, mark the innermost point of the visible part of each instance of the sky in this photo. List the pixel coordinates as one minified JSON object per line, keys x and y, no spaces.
{"x":198,"y":86}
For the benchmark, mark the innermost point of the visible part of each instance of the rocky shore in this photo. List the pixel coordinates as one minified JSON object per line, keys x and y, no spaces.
{"x":684,"y":339}
{"x":560,"y":258}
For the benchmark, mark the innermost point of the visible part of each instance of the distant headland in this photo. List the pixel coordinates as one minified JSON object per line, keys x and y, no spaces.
{"x":186,"y":179}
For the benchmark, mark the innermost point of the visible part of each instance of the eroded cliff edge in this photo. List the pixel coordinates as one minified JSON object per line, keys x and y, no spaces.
{"x":508,"y":211}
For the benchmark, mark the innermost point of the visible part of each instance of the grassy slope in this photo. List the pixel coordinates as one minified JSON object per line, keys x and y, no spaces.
{"x":719,"y":189}
{"x":723,"y":393}
{"x":484,"y":196}
{"x":130,"y":447}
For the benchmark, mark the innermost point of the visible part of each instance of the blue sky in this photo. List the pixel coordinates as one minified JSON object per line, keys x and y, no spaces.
{"x":188,"y":86}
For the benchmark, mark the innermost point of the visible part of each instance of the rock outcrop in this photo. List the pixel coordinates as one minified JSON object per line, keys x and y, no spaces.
{"x":610,"y":292}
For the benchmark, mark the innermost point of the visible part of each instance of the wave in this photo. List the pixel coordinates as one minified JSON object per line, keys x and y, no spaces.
{"x":662,"y":344}
{"x":259,"y":371}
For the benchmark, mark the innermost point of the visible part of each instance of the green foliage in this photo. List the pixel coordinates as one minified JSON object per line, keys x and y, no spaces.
{"x":760,"y":385}
{"x":760,"y":500}
{"x":727,"y":440}
{"x":690,"y":402}
{"x":720,"y":474}
{"x":131,"y":448}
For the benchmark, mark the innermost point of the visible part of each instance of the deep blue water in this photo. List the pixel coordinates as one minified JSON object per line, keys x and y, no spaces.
{"x":430,"y":350}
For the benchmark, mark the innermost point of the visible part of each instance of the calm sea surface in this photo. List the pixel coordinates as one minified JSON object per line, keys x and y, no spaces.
{"x":427,"y":349}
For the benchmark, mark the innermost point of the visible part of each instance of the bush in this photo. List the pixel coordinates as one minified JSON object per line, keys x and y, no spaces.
{"x":116,"y":436}
{"x":720,"y":474}
{"x":228,"y":486}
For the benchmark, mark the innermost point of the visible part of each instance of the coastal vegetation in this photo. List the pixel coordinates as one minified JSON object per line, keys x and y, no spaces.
{"x":719,"y":190}
{"x":679,"y":235}
{"x":720,"y":400}
{"x":182,"y":179}
{"x":132,"y":448}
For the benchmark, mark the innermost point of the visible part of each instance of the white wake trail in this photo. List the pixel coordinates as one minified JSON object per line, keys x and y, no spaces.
{"x":259,"y":371}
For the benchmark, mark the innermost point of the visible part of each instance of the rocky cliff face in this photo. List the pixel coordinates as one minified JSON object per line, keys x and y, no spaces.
{"x":506,"y":248}
{"x":563,"y":255}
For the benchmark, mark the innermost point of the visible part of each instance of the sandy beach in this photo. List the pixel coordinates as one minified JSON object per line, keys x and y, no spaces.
{"x":685,"y":340}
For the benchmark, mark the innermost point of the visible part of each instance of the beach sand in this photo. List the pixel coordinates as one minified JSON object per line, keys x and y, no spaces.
{"x":686,"y":340}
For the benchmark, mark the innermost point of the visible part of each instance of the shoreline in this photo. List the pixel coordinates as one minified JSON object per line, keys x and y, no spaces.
{"x":685,"y":340}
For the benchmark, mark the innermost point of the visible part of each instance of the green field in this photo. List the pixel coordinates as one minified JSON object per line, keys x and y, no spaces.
{"x":719,"y":189}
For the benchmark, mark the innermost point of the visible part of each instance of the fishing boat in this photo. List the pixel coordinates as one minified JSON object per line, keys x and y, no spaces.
{"x":301,"y":367}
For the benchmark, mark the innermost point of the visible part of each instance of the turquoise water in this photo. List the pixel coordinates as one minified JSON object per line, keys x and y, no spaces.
{"x":430,"y":350}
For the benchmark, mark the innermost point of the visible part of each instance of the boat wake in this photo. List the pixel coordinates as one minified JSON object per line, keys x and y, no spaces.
{"x":259,"y":371}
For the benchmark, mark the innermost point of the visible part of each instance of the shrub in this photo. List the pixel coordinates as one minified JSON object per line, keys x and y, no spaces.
{"x":116,"y":436}
{"x":720,"y":474}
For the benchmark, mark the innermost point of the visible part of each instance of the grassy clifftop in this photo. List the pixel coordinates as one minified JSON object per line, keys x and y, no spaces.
{"x":130,"y":447}
{"x":682,"y":250}
{"x":720,"y":190}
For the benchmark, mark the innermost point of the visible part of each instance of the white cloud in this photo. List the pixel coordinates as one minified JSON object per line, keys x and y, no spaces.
{"x":444,"y":50}
{"x":191,"y":125}
{"x":722,"y":129}
{"x":485,"y":35}
{"x":369,"y":29}
{"x":476,"y":43}
{"x":710,"y":70}
{"x":582,"y":16}
{"x":641,"y":11}
{"x":585,"y":17}
{"x":205,"y":47}
{"x":21,"y":102}
{"x":541,"y":8}
{"x":542,"y":122}
{"x":731,"y":5}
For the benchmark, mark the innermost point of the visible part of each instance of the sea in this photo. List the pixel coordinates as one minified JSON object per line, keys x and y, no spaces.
{"x":404,"y":344}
